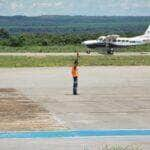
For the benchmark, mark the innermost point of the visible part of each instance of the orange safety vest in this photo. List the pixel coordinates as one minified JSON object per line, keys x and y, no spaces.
{"x":75,"y":72}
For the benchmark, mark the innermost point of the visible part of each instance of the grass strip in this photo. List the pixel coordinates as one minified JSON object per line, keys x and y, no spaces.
{"x":67,"y":48}
{"x":52,"y":61}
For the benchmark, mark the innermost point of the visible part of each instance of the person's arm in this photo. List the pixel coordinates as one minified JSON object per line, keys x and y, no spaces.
{"x":78,"y":57}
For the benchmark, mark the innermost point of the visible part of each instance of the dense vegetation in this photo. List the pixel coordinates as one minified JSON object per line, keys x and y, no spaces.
{"x":75,"y":24}
{"x":64,"y":33}
{"x":27,"y":39}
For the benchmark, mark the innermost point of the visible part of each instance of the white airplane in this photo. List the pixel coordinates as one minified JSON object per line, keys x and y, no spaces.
{"x":111,"y":42}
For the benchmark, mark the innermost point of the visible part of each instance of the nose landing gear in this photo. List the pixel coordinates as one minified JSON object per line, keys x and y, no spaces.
{"x":110,"y":51}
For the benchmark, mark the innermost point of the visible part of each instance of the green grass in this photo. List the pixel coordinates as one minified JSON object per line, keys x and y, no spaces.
{"x":51,"y":61}
{"x":141,"y":48}
{"x":45,"y":49}
{"x":66,"y":48}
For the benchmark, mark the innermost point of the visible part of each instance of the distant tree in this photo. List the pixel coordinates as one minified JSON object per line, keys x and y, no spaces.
{"x":16,"y":41}
{"x":44,"y":42}
{"x":4,"y":34}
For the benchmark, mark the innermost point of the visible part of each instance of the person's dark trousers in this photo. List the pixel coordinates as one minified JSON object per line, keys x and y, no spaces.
{"x":75,"y":85}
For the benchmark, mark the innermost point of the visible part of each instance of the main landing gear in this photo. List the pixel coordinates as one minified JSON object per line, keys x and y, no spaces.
{"x":110,"y":51}
{"x":88,"y":51}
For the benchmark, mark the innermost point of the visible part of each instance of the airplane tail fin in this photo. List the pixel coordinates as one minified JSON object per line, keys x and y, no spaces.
{"x":147,"y":31}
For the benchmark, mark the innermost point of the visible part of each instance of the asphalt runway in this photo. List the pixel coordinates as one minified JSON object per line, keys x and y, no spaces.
{"x":102,"y":143}
{"x":109,"y":98}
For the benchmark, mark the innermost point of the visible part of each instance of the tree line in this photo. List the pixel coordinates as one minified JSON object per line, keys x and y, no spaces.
{"x":75,"y":24}
{"x":31,"y":39}
{"x":47,"y":39}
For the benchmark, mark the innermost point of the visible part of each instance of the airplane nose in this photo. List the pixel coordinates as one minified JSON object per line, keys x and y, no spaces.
{"x":83,"y":43}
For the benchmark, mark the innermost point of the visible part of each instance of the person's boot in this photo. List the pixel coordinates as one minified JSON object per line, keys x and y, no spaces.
{"x":74,"y":91}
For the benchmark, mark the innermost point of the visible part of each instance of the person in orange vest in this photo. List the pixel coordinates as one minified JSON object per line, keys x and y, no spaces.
{"x":75,"y":75}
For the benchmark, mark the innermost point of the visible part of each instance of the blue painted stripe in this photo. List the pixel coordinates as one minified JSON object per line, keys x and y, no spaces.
{"x":70,"y":134}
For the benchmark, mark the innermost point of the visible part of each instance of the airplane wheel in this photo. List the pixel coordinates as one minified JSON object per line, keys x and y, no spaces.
{"x":88,"y":52}
{"x":110,"y":51}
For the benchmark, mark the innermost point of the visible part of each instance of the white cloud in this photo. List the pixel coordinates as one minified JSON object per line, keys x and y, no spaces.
{"x":15,"y":6}
{"x":47,"y":4}
{"x":75,"y":7}
{"x":58,"y":4}
{"x":42,"y":4}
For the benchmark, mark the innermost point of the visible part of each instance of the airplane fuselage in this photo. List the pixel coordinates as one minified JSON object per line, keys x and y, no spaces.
{"x":115,"y":41}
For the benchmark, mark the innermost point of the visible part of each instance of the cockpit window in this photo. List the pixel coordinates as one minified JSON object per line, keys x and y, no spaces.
{"x":132,"y":41}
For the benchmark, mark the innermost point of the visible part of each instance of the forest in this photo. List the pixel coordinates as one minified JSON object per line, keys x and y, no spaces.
{"x":75,"y":24}
{"x":19,"y":31}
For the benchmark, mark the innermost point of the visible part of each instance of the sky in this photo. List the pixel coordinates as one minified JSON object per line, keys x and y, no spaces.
{"x":75,"y":7}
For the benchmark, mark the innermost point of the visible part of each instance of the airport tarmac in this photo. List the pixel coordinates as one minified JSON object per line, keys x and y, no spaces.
{"x":109,"y":98}
{"x":74,"y":54}
{"x":101,"y":143}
